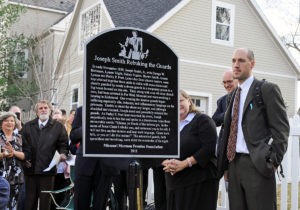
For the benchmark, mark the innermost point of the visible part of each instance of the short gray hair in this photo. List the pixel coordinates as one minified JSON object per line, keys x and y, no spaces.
{"x":6,"y":115}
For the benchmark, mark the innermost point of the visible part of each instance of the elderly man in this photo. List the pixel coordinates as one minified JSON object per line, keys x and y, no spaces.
{"x":44,"y":136}
{"x":229,"y":84}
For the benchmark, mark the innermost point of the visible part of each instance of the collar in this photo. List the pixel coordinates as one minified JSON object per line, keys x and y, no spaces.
{"x":247,"y":83}
{"x":44,"y":123}
{"x":189,"y":117}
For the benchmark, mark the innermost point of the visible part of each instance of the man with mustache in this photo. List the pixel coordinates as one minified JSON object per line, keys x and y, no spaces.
{"x":43,"y":136}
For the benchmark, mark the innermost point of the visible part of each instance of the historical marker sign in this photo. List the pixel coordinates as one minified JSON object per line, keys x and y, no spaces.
{"x":130,"y":96}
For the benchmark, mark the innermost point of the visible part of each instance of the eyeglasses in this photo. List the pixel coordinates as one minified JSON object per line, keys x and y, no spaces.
{"x":227,"y":82}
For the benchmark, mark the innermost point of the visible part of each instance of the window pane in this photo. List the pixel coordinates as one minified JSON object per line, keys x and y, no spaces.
{"x":198,"y":102}
{"x":75,"y":96}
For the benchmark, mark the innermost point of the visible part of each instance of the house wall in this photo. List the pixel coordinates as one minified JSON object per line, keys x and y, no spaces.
{"x":47,"y":52}
{"x":34,"y":21}
{"x":202,"y":62}
{"x":73,"y":62}
{"x":190,"y":38}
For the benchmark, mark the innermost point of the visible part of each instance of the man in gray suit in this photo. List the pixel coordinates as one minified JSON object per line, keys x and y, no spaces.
{"x":259,"y":142}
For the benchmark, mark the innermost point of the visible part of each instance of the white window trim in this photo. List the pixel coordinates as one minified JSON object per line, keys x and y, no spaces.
{"x":75,"y":86}
{"x":216,"y":3}
{"x":80,"y":51}
{"x":204,"y":95}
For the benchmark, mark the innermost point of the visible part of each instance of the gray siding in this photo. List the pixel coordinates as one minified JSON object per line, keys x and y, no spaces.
{"x":34,"y":22}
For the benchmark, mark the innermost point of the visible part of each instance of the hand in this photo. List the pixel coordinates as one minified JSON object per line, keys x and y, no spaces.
{"x":173,"y":166}
{"x":28,"y":164}
{"x":63,"y":157}
{"x":165,"y":162}
{"x":226,"y":176}
{"x":9,"y":150}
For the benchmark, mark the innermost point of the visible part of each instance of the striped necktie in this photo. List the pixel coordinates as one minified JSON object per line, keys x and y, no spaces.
{"x":41,"y":126}
{"x":231,"y":147}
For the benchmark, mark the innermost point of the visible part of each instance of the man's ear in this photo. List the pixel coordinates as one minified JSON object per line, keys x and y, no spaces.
{"x":252,"y":64}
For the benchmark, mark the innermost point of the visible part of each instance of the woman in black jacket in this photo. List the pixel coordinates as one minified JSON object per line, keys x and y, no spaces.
{"x":191,"y":180}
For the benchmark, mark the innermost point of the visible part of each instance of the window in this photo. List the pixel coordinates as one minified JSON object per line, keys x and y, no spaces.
{"x":21,"y":63}
{"x":75,"y":98}
{"x":41,"y":65}
{"x":89,"y":24}
{"x":222,"y":28}
{"x":200,"y":103}
{"x":197,"y":102}
{"x":54,"y":93}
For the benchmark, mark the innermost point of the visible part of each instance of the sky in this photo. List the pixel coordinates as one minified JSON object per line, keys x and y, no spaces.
{"x":284,"y":16}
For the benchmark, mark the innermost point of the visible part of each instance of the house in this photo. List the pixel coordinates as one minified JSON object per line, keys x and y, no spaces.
{"x":202,"y":33}
{"x":47,"y":22}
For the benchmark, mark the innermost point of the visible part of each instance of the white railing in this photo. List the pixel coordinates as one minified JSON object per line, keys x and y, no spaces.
{"x":288,"y":185}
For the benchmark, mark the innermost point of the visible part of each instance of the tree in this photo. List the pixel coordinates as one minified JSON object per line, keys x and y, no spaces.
{"x":15,"y":61}
{"x":285,"y":17}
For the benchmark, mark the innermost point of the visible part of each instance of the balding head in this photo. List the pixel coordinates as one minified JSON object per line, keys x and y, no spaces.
{"x":15,"y":109}
{"x":228,"y":81}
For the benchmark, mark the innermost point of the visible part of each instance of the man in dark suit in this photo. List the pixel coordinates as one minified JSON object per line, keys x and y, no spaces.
{"x":251,"y":155}
{"x":92,"y":177}
{"x":41,"y":138}
{"x":229,"y":85}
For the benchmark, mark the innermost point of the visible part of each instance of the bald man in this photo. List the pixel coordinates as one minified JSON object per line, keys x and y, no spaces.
{"x":254,"y":139}
{"x":229,"y":84}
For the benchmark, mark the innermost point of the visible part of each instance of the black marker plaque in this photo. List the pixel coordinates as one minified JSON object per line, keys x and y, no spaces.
{"x":130,"y":96}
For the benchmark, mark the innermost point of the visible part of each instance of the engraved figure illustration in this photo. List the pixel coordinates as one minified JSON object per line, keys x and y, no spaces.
{"x":133,"y":48}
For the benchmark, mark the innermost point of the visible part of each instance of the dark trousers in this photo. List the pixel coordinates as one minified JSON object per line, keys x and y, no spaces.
{"x":201,"y":195}
{"x":91,"y":189}
{"x":247,"y":189}
{"x":21,"y":199}
{"x":34,"y":185}
{"x":160,"y":196}
{"x":120,"y":189}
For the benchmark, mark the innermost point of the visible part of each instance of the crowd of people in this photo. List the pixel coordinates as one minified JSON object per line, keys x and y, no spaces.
{"x":247,"y":151}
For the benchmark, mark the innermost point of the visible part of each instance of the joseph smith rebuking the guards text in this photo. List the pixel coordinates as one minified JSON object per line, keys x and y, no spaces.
{"x":256,"y":131}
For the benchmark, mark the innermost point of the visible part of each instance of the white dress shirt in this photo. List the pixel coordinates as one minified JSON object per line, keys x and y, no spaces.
{"x":44,"y":123}
{"x":241,"y":146}
{"x":187,"y":120}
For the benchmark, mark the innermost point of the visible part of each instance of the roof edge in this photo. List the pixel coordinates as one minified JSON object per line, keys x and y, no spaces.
{"x":111,"y":22}
{"x":39,"y":8}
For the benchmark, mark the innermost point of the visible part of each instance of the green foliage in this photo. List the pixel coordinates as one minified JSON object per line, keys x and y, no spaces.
{"x":15,"y":59}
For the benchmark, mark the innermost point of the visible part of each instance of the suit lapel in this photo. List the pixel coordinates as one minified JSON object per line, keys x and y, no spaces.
{"x":249,"y":97}
{"x":229,"y":109}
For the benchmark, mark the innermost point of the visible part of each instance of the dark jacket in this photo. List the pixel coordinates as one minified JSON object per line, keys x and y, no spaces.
{"x":218,"y":116}
{"x":259,"y":124}
{"x":197,"y":139}
{"x":41,"y":145}
{"x":86,"y":166}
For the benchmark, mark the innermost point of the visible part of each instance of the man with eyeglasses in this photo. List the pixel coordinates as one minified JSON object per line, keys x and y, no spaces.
{"x":229,"y":85}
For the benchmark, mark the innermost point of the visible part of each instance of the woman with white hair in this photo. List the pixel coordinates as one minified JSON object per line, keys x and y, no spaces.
{"x":11,"y":156}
